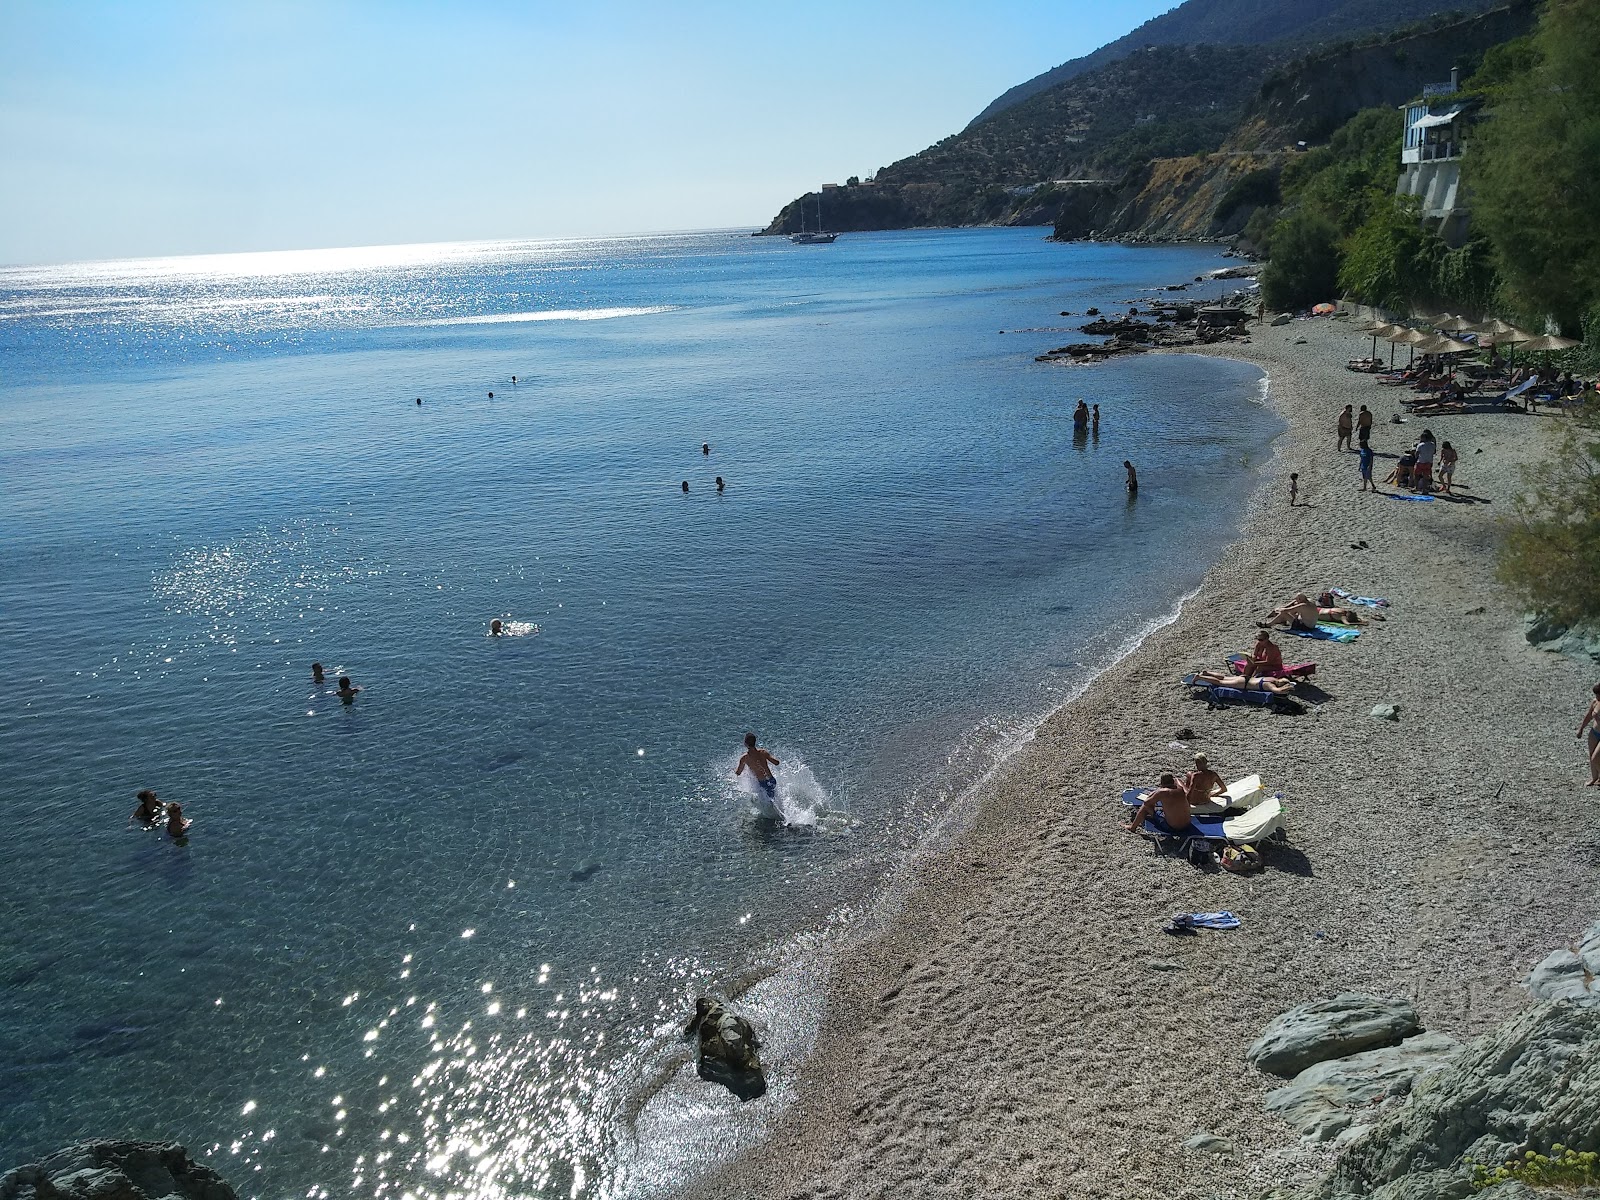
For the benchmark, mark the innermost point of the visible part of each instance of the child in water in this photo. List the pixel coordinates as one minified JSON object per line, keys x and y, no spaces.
{"x":176,"y":825}
{"x":347,"y":690}
{"x":149,"y":810}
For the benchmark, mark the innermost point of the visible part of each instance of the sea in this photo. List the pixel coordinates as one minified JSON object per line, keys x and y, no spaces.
{"x":442,"y":940}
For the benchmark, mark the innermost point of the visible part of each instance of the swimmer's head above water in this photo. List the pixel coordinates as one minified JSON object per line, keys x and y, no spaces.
{"x":495,"y":627}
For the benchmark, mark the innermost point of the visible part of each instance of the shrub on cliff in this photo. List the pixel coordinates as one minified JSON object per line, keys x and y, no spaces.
{"x":1551,"y":552}
{"x":1532,"y":167}
{"x":1305,"y":262}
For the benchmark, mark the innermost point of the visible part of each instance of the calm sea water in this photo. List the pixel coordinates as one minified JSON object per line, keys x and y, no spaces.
{"x":436,"y":942}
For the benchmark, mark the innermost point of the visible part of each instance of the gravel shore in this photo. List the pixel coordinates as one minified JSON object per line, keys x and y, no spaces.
{"x":1022,"y":1027}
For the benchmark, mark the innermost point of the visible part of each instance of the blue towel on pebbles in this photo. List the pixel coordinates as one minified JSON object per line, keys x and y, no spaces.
{"x":1364,"y":601}
{"x":1327,"y":633}
{"x":1210,"y":920}
{"x":1398,"y":496}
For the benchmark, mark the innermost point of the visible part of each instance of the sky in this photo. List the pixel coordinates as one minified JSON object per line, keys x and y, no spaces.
{"x":156,"y":127}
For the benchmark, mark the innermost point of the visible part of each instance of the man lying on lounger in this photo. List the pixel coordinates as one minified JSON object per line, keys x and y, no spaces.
{"x":1173,"y":802}
{"x":1278,"y":687}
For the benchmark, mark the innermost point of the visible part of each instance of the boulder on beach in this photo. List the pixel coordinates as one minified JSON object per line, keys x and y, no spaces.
{"x":1334,"y":1028}
{"x":1531,"y":1084}
{"x":112,"y":1170}
{"x":1571,"y":973}
{"x":1342,"y":1096}
{"x":728,"y":1046}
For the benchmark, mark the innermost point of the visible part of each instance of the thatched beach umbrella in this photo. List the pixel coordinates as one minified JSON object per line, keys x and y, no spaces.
{"x":1548,"y":342}
{"x":1494,"y":325}
{"x":1443,"y":345}
{"x":1407,"y":337}
{"x":1452,"y":324}
{"x":1376,"y":330}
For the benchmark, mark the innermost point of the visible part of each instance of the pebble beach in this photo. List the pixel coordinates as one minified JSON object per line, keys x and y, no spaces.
{"x":1019,"y":1024}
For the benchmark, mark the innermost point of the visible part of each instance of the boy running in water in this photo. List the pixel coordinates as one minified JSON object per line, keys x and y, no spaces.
{"x":760,"y":763}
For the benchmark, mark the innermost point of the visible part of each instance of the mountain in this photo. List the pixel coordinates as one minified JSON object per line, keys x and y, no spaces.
{"x":1289,"y":23}
{"x":1152,"y":142}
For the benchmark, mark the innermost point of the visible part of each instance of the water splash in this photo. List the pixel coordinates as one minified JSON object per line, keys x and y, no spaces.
{"x":800,"y":801}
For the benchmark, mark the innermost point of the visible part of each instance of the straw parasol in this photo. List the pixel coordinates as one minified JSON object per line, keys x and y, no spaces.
{"x":1496,"y":326}
{"x":1443,"y":345}
{"x":1376,"y":330}
{"x":1549,"y":342}
{"x":1406,"y":337}
{"x":1452,"y":324}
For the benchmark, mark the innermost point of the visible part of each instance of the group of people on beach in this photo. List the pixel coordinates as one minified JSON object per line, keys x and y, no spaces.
{"x":1415,"y":469}
{"x":1175,"y":799}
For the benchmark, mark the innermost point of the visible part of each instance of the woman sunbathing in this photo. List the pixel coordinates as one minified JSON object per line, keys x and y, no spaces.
{"x":1300,"y":613}
{"x":1239,"y":683}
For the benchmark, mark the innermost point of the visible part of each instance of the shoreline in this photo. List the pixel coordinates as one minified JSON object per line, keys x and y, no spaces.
{"x":1017,"y":1024}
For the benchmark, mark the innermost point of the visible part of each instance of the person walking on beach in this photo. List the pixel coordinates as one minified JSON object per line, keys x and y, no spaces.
{"x":1591,"y":723}
{"x":1133,"y":478}
{"x":1447,"y":467}
{"x":760,"y":763}
{"x":1363,"y":425}
{"x":1366,"y":457}
{"x":1347,"y":424}
{"x":1294,"y":488}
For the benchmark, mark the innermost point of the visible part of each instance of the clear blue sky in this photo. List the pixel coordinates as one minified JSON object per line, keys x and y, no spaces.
{"x":161,"y":127}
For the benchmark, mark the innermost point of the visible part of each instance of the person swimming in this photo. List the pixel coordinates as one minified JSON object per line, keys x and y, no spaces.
{"x":317,"y":676}
{"x":149,"y":810}
{"x":720,"y":484}
{"x":705,"y":449}
{"x":347,"y":690}
{"x":685,"y":487}
{"x":177,"y":825}
{"x":760,"y":763}
{"x":496,"y":628}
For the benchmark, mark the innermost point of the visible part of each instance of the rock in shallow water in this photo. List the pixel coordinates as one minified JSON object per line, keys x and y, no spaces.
{"x":1322,"y":1029}
{"x":116,"y":1171}
{"x":728,"y":1046}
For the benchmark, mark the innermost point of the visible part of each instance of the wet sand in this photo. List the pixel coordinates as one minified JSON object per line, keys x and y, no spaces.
{"x":1020,"y":1026}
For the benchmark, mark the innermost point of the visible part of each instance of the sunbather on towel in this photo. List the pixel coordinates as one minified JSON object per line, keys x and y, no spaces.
{"x":1301,"y":613}
{"x":1173,"y":802}
{"x":1240,"y":683}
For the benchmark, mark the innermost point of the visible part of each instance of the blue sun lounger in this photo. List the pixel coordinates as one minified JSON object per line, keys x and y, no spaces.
{"x":1256,"y":825}
{"x":1218,"y":696}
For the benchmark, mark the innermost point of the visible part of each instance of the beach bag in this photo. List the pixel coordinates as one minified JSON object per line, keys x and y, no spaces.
{"x":1241,"y":860}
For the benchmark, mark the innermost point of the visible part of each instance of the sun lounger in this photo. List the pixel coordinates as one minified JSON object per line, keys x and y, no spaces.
{"x":1205,"y":833}
{"x":1217,"y":695}
{"x":1288,"y":671}
{"x":1333,"y":633}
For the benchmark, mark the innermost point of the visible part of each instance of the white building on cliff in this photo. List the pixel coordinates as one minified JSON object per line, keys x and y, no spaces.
{"x":1430,"y":157}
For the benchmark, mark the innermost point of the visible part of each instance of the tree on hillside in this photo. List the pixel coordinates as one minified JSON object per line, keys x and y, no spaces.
{"x":1551,"y":554}
{"x":1532,"y":169}
{"x":1305,"y":262}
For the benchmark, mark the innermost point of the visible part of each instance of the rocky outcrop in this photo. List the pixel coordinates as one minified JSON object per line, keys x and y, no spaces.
{"x":116,"y":1171}
{"x":1581,"y":642}
{"x":1340,"y":1098}
{"x":1529,"y":1085}
{"x":1571,"y":973}
{"x":728,"y":1046}
{"x":1335,"y":1028}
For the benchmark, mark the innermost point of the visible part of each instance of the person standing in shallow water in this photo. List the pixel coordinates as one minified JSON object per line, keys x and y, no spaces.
{"x":149,"y":810}
{"x":1080,"y":417}
{"x":1094,"y":421}
{"x":317,"y":677}
{"x":1133,"y":478}
{"x":347,"y":690}
{"x":720,"y":485}
{"x":705,"y":449}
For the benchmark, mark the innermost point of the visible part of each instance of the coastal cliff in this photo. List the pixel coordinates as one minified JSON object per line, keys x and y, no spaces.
{"x":1150,"y":144}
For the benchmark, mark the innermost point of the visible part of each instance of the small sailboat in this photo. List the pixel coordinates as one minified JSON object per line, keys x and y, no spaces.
{"x":815,"y":237}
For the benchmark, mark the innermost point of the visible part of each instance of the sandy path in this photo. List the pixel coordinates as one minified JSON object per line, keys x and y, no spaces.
{"x":1023,"y":1028}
